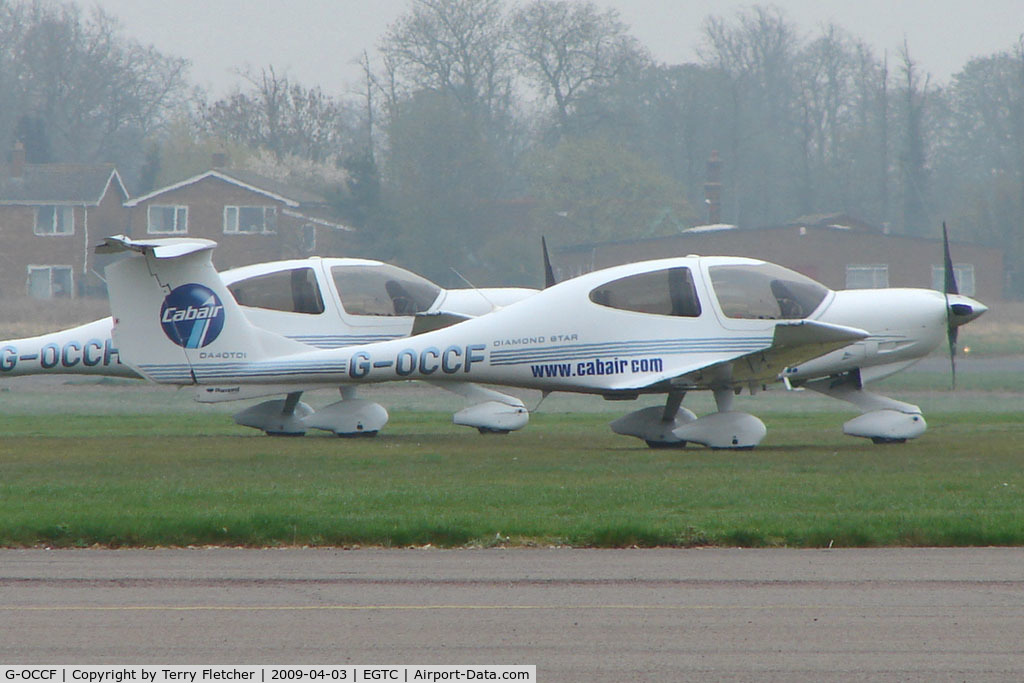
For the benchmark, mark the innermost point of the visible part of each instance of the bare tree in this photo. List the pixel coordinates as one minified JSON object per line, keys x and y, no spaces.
{"x":280,"y":116}
{"x":913,"y":171}
{"x":98,"y":94}
{"x":567,"y":47}
{"x":837,"y":76}
{"x":371,"y":86}
{"x":12,"y":28}
{"x":979,"y":177}
{"x":757,"y":55}
{"x":271,"y":94}
{"x":457,"y":48}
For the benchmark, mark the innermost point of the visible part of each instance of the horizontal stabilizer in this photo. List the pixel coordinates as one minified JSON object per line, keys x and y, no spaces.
{"x":164,"y":248}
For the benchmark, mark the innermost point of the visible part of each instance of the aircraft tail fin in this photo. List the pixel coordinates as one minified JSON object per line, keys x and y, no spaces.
{"x":175,"y":322}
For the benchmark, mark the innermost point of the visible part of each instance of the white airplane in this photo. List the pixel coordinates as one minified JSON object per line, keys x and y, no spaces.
{"x":324,"y":303}
{"x":669,"y":326}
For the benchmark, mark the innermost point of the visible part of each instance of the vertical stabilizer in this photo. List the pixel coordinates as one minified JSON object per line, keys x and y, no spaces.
{"x":175,"y":322}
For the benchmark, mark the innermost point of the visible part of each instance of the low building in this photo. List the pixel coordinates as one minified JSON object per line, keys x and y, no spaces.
{"x":50,"y":217}
{"x":837,"y":250}
{"x":251,"y":217}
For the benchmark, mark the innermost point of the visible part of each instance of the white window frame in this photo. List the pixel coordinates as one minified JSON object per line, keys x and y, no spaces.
{"x":867,"y":276}
{"x":51,"y":269}
{"x":964,"y":274}
{"x":61,"y":223}
{"x":180,"y":226}
{"x":233,"y":212}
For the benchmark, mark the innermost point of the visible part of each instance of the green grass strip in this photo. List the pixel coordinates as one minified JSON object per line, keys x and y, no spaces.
{"x":178,"y":480}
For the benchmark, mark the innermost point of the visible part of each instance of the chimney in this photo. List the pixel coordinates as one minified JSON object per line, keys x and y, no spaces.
{"x":220,"y":160}
{"x":17,"y":167}
{"x":713,"y":189}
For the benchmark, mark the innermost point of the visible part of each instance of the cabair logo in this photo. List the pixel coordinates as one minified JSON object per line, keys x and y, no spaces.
{"x":192,"y":316}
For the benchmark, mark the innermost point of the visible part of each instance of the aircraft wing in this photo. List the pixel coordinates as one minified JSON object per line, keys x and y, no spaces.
{"x":792,"y":343}
{"x":428,"y":322}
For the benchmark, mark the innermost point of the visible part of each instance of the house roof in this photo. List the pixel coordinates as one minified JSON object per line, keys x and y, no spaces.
{"x":842,"y":221}
{"x":59,"y":184}
{"x":291,"y":196}
{"x":824,"y":223}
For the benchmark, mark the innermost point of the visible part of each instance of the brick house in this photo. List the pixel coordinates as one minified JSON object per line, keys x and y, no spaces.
{"x":251,"y":217}
{"x":50,"y":216}
{"x":839,"y":251}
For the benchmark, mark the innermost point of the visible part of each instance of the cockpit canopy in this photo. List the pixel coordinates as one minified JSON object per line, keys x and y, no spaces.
{"x":383,"y":290}
{"x":765,"y":291}
{"x":751,"y":290}
{"x":294,"y":291}
{"x":368,"y":288}
{"x":662,"y":292}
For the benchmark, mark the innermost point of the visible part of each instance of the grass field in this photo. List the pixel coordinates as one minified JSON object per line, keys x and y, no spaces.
{"x":191,"y":477}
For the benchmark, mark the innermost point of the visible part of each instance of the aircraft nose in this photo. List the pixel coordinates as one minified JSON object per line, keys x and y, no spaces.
{"x":964,"y":309}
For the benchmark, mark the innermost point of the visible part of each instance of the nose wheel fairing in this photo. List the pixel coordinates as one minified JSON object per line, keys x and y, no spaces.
{"x":886,"y":426}
{"x":883,"y":419}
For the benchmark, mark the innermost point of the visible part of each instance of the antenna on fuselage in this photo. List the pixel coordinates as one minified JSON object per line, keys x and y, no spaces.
{"x":476,"y":289}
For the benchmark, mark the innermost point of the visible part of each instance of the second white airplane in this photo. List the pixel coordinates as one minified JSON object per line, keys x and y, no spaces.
{"x":324,"y":303}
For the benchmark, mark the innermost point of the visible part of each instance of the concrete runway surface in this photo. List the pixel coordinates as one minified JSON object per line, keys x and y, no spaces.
{"x":579,"y":615}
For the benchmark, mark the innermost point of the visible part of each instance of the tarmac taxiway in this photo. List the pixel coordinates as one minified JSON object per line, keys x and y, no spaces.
{"x":579,"y":615}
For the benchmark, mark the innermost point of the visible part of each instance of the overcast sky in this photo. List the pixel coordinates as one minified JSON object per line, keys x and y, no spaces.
{"x":318,"y":41}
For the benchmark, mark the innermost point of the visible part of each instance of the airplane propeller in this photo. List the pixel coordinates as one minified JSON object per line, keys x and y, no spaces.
{"x":549,"y":272}
{"x":949,"y":287}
